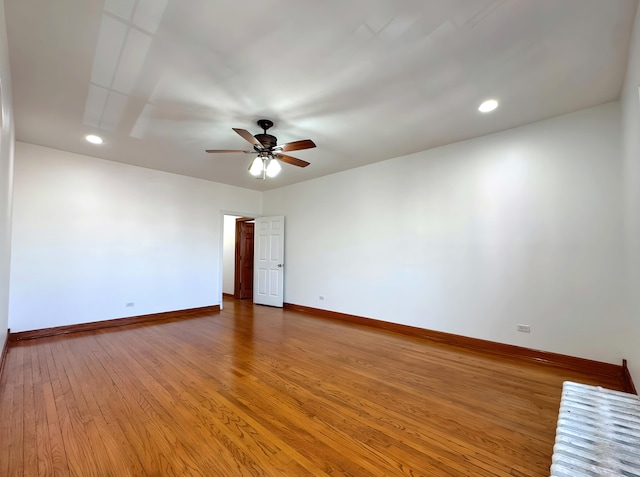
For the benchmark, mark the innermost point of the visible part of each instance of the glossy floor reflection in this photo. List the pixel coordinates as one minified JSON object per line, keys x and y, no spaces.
{"x":262,"y":391}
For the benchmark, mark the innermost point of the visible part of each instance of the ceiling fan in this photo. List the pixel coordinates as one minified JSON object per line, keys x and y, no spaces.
{"x":269,"y":152}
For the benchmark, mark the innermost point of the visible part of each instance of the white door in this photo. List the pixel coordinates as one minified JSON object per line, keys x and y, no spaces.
{"x":268,"y":256}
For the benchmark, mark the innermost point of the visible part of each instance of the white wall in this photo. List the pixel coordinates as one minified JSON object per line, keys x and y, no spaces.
{"x":91,"y":235}
{"x":229,"y":254}
{"x":6,"y":177}
{"x":631,"y":129}
{"x":523,"y":226}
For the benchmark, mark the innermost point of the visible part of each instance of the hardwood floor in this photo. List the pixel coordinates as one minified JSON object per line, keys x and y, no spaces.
{"x":263,"y":391}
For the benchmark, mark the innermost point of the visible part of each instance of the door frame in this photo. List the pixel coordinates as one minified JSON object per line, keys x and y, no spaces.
{"x":223,"y":212}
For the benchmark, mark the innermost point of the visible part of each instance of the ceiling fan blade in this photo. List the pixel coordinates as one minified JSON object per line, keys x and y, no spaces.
{"x":224,"y":151}
{"x":296,"y":145}
{"x":291,"y":160}
{"x":248,"y":137}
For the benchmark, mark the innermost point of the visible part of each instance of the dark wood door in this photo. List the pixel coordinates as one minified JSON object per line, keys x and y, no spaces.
{"x":243,"y":286}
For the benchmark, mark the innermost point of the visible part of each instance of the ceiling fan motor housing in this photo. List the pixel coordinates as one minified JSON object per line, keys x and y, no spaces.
{"x":267,"y":140}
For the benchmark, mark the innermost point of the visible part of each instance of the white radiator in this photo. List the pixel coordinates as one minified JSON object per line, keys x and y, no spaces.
{"x":598,"y":433}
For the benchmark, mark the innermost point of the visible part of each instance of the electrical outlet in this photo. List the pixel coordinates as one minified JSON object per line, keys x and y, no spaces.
{"x":321,"y":297}
{"x":130,"y":304}
{"x":524,"y":328}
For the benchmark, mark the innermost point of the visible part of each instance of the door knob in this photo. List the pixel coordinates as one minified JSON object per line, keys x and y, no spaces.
{"x":280,"y":265}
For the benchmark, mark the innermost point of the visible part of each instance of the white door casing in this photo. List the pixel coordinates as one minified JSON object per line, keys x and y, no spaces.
{"x":268,"y":281}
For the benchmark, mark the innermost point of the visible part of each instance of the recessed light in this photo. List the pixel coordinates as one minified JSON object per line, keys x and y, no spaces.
{"x":488,"y":106}
{"x":93,"y":139}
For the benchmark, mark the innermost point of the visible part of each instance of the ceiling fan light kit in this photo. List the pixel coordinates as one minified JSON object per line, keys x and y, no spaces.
{"x":273,"y":168}
{"x":267,"y":164}
{"x":257,"y":167}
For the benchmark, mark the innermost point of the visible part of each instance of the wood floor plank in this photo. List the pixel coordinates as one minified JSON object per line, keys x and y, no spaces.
{"x":59,"y":459}
{"x":16,"y":445}
{"x":189,"y":430}
{"x":248,"y":449}
{"x":98,"y":448}
{"x":44,"y":446}
{"x":30,"y":447}
{"x":6,"y":422}
{"x":259,"y":391}
{"x":130,"y":410}
{"x":232,"y":405}
{"x":96,"y":387}
{"x":72,"y":429}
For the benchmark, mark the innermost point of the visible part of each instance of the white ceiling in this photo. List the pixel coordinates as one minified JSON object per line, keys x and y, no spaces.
{"x":367,"y":80}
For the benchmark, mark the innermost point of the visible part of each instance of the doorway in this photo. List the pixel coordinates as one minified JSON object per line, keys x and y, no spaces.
{"x":240,"y":269}
{"x":243,"y":269}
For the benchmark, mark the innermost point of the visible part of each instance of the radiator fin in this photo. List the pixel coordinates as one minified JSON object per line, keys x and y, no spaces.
{"x":598,"y":433}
